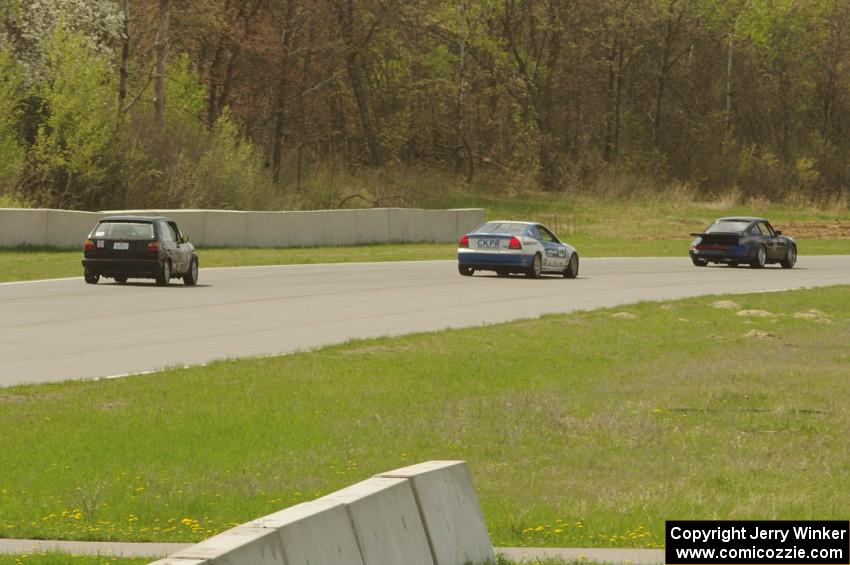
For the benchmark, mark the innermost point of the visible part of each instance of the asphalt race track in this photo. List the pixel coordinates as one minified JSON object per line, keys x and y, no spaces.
{"x":66,"y":329}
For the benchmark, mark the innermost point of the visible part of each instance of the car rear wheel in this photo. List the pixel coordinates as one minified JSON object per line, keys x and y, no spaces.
{"x":536,"y":267}
{"x":121,"y":279}
{"x":761,"y":258}
{"x":790,"y":257}
{"x":164,"y":274}
{"x":699,"y":262}
{"x":91,"y":278}
{"x":191,"y":277}
{"x":571,"y":271}
{"x":465,"y":270}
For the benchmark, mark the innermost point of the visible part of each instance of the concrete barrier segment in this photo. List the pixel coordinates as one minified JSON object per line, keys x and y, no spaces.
{"x":315,"y":533}
{"x":21,"y":226}
{"x":68,"y":229}
{"x":450,"y":511}
{"x":468,"y":219}
{"x":386,"y":522}
{"x":238,"y":546}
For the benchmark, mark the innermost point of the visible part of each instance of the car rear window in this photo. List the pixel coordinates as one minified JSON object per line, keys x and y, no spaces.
{"x":728,"y":226}
{"x":509,"y":228}
{"x":123,"y":230}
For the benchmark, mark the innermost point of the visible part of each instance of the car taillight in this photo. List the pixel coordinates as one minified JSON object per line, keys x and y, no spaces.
{"x":153,"y":247}
{"x":515,"y":244}
{"x":464,"y":241}
{"x":89,"y":245}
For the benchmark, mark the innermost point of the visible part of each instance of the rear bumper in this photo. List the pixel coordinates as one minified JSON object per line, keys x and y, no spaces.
{"x":492,"y":261}
{"x":148,"y":268}
{"x":738,"y":253}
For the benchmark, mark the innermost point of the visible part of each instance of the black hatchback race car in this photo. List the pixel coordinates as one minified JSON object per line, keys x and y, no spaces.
{"x":743,"y":239}
{"x":122,"y":247}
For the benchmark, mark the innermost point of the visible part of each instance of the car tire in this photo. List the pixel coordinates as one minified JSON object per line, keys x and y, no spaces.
{"x":571,"y":271}
{"x":699,"y":262}
{"x":91,"y":278}
{"x":121,"y":279}
{"x":164,"y":275}
{"x":760,"y":258}
{"x":536,"y":267}
{"x":465,"y":270}
{"x":790,"y":257}
{"x":191,"y":277}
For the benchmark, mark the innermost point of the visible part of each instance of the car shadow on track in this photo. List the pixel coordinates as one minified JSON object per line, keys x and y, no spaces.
{"x":525,"y":278}
{"x":141,"y":284}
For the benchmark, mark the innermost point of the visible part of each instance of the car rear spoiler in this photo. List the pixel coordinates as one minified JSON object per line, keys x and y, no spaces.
{"x":703,"y":234}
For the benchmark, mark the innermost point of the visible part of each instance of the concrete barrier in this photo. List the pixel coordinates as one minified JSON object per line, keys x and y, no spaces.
{"x":239,"y":546}
{"x":440,"y":226}
{"x":467,"y":220}
{"x":67,"y":228}
{"x":373,"y":225}
{"x":425,"y":514}
{"x":450,"y":511}
{"x":227,"y":228}
{"x":20,"y":226}
{"x":267,"y":229}
{"x":386,"y":521}
{"x":407,"y":225}
{"x":339,"y":227}
{"x":315,"y":533}
{"x":305,"y":228}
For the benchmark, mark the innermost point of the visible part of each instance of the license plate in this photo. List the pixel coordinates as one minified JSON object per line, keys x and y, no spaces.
{"x":121,"y":245}
{"x":488,"y":243}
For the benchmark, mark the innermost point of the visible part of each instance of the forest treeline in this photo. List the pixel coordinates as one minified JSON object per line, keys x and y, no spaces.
{"x":249,"y":103}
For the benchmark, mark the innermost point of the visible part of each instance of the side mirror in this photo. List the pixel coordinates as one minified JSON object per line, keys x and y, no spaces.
{"x":778,"y":232}
{"x":184,"y":238}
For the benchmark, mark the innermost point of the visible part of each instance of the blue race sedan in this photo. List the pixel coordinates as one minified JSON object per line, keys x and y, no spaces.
{"x":515,"y":247}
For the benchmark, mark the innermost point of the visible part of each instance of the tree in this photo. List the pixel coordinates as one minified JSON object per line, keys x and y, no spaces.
{"x":161,"y":55}
{"x":70,"y":156}
{"x":25,"y":30}
{"x":11,"y":96}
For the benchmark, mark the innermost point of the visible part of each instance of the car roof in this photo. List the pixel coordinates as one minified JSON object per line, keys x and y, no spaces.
{"x":143,"y":219}
{"x":511,"y":222}
{"x":740,"y":219}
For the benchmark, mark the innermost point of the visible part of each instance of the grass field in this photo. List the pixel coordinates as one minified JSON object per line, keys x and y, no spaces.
{"x":587,"y":429}
{"x":64,"y":559}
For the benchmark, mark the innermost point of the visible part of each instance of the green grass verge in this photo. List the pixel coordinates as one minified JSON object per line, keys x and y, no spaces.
{"x":586,"y":429}
{"x":49,"y":558}
{"x":64,"y":559}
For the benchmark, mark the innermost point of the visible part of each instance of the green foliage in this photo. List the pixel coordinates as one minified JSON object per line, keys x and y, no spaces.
{"x":740,"y":96}
{"x":185,"y":94}
{"x":11,"y":151}
{"x":229,"y":173}
{"x":72,"y":149}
